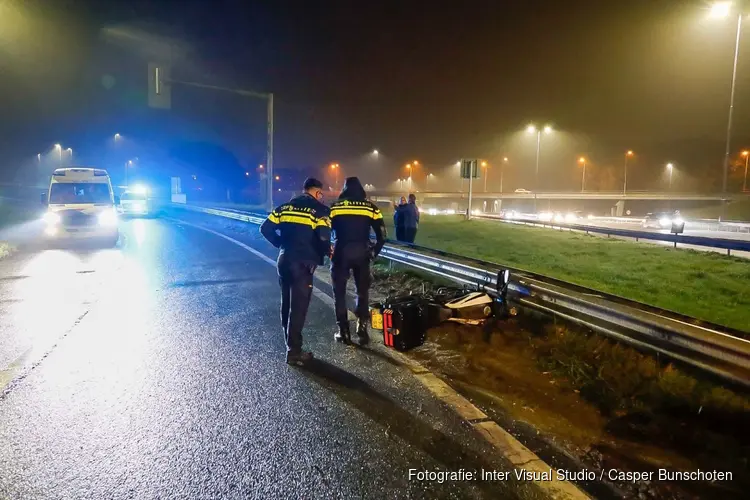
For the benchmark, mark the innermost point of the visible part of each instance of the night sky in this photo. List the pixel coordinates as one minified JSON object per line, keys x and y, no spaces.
{"x":417,"y":80}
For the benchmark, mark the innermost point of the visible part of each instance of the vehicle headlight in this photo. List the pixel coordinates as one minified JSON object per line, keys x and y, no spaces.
{"x":108,"y":218}
{"x":559,"y":218}
{"x":51,"y":218}
{"x":450,"y":212}
{"x":570,"y":217}
{"x":679,"y":221}
{"x":545,"y":216}
{"x":432,"y":211}
{"x":665,"y":221}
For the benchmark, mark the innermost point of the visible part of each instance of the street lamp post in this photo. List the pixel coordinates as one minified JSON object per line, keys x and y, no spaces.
{"x":58,"y":147}
{"x":670,"y":168}
{"x":547,"y":130}
{"x":582,"y":161}
{"x":335,"y":168}
{"x":70,"y":150}
{"x":484,"y":166}
{"x":746,"y":154}
{"x":722,"y":9}
{"x":502,"y":169}
{"x":625,"y":181}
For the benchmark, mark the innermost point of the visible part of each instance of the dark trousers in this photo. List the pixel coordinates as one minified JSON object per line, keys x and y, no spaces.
{"x":357,"y":261}
{"x":410,"y":234}
{"x":400,"y":233}
{"x":296,"y":280}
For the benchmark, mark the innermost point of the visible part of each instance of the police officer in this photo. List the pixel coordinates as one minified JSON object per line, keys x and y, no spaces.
{"x":301,"y":228}
{"x":352,"y":217}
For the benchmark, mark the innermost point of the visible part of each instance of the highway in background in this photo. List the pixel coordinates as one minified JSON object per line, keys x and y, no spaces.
{"x":156,"y":369}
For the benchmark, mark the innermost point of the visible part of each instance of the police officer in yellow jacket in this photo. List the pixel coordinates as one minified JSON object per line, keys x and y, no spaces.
{"x":301,"y":228}
{"x":352,"y":217}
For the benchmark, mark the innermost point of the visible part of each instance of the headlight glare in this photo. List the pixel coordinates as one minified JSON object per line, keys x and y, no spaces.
{"x":108,"y":218}
{"x":51,"y":218}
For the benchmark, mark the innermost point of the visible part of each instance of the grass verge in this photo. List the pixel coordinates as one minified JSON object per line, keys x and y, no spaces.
{"x":11,"y":214}
{"x":705,"y":285}
{"x":605,"y":403}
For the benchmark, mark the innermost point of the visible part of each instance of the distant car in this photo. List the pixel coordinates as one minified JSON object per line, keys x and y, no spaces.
{"x":135,"y":203}
{"x":522,"y":191}
{"x":662,"y":220}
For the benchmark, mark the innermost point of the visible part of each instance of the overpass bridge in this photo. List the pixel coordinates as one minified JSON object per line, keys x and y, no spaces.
{"x":558,"y":195}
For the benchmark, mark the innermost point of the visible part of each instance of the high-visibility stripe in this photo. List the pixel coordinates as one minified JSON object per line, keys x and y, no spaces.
{"x":273,"y":217}
{"x":323,"y":221}
{"x":296,"y":213}
{"x":378,"y":215}
{"x":361,"y":211}
{"x":296,"y":219}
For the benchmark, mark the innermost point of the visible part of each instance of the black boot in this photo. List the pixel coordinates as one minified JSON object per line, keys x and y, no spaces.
{"x":362,"y":332}
{"x":298,"y":358}
{"x":343,"y":335}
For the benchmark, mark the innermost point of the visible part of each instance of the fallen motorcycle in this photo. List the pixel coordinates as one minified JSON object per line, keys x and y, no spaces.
{"x":405,"y":319}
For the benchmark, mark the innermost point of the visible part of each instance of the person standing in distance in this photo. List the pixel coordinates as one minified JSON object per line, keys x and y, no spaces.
{"x":352,"y":217}
{"x":301,"y":229}
{"x":410,"y":215}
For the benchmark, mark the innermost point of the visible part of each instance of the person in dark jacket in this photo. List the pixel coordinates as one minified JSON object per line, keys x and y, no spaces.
{"x":410,"y":215}
{"x":301,"y":228}
{"x":352,"y":218}
{"x":398,"y":219}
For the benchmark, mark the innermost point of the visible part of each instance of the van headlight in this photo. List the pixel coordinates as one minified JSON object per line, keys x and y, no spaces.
{"x":51,"y":218}
{"x":108,"y":218}
{"x":665,"y":222}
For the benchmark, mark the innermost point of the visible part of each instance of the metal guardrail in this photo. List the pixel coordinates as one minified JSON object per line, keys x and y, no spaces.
{"x":682,"y":239}
{"x":720,"y":351}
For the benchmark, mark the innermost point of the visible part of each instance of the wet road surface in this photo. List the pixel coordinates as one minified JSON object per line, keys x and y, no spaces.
{"x":155,"y":370}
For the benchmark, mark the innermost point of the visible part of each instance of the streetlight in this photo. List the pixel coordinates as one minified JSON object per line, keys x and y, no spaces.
{"x":746,"y":154}
{"x":408,"y":167}
{"x":117,"y":137}
{"x":70,"y":150}
{"x":59,"y":152}
{"x":129,"y":163}
{"x":247,"y":174}
{"x":375,"y":152}
{"x":670,"y":168}
{"x":547,"y":130}
{"x":427,"y":180}
{"x":502,"y":169}
{"x":277,"y":178}
{"x":484,"y":166}
{"x":582,"y":161}
{"x":723,"y":10}
{"x":628,"y":154}
{"x":335,"y":168}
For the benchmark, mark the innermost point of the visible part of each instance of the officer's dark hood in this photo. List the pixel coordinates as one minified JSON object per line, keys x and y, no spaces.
{"x":353,"y":190}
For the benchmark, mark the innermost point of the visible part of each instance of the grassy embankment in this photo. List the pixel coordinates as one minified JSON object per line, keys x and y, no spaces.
{"x":588,"y":392}
{"x":705,"y":285}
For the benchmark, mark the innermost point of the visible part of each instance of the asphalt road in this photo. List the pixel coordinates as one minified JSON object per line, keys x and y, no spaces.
{"x":156,"y":370}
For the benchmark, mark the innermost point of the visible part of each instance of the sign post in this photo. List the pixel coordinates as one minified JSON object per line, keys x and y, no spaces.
{"x":469,"y":171}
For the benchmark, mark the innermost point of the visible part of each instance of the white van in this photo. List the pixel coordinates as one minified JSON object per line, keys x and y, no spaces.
{"x":80,"y":204}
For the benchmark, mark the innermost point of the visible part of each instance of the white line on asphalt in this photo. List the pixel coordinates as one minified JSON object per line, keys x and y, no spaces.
{"x":500,"y":439}
{"x":327,"y":299}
